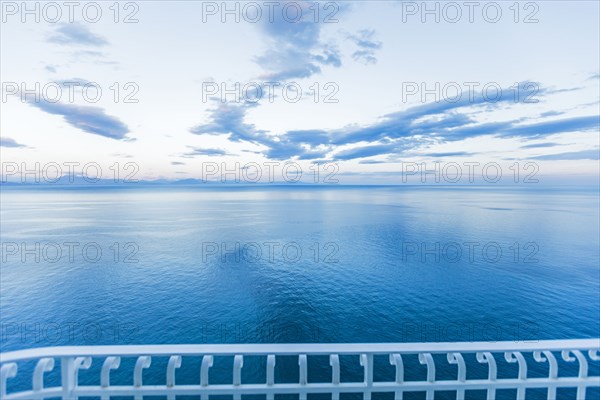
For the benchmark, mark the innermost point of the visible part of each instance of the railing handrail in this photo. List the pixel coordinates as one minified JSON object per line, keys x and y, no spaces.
{"x":73,"y":359}
{"x":297,"y":348}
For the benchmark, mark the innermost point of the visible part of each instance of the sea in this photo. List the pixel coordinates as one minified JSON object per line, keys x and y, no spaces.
{"x":297,"y":264}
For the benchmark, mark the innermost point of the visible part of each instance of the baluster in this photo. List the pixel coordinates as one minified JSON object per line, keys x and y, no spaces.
{"x":303,"y":374}
{"x":142,"y":363}
{"x":366,"y":361}
{"x":67,"y":366}
{"x":396,"y":359}
{"x":487,"y":357}
{"x":207,"y":362}
{"x":270,"y":374}
{"x":109,"y":363}
{"x":334,"y":362}
{"x":6,"y":372}
{"x":174,"y":363}
{"x":513,"y":357}
{"x":43,"y":366}
{"x":583,"y":369}
{"x":80,"y":363}
{"x":238,"y":363}
{"x":544,"y":356}
{"x":426,"y":358}
{"x":457,"y":358}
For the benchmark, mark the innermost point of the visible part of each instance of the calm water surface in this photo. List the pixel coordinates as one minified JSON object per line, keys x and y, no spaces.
{"x":262,"y":265}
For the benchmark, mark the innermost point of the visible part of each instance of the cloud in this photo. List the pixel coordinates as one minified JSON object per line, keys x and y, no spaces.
{"x":76,"y":34}
{"x":197,"y":151}
{"x":88,"y":119}
{"x":566,"y":90}
{"x":539,"y":145}
{"x":442,"y":120}
{"x":77,"y":84}
{"x":364,"y":56}
{"x":555,"y":126}
{"x":286,"y":62}
{"x":448,"y":154}
{"x":177,"y":163}
{"x":308,"y":136}
{"x":575,"y":155}
{"x":50,"y":68}
{"x":365,"y":151}
{"x":8,"y":142}
{"x":371,"y":162}
{"x":228,"y":118}
{"x":330,"y":56}
{"x":367,"y":46}
{"x":91,"y":54}
{"x":551,"y":113}
{"x":294,"y":47}
{"x":393,"y":133}
{"x":73,"y":81}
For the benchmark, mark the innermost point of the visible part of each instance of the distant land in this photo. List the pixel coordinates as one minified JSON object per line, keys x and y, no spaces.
{"x":592,"y":182}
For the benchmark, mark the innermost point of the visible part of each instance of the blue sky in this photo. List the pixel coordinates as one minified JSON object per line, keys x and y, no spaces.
{"x":365,"y":56}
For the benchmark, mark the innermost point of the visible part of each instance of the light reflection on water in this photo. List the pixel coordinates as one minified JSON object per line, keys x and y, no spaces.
{"x":368,"y":268}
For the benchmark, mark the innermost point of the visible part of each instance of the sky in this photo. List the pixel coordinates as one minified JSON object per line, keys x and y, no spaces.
{"x":368,"y":89}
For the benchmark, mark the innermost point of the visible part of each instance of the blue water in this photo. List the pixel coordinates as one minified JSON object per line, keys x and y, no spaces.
{"x":377,"y":264}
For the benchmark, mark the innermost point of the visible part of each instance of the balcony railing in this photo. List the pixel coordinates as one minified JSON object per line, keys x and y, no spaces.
{"x":399,"y":357}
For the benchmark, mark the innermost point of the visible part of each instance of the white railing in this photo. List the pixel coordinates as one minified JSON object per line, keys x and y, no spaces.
{"x":551,"y":354}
